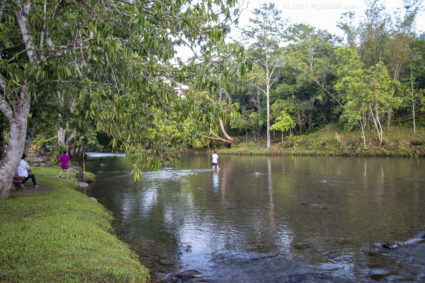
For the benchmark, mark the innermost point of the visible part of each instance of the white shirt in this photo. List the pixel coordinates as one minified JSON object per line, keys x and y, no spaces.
{"x":22,"y":169}
{"x":214,"y":158}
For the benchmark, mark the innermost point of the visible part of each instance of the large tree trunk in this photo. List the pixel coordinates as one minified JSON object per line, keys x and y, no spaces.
{"x":61,"y":136}
{"x":17,"y":118}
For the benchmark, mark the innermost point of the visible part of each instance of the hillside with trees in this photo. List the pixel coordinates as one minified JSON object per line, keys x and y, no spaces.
{"x":303,"y":80}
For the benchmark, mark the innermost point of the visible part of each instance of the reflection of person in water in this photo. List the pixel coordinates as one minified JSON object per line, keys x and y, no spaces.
{"x":215,"y":181}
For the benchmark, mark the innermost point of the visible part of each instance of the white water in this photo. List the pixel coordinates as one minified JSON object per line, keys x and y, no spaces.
{"x":103,"y":154}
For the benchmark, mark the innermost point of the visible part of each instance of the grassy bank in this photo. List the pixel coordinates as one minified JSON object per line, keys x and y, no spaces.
{"x":57,"y":234}
{"x":398,"y":141}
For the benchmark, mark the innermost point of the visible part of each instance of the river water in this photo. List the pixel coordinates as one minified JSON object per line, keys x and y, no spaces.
{"x":270,"y":219}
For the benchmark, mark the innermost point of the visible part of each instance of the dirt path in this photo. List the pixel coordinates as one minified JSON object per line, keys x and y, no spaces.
{"x":29,"y":189}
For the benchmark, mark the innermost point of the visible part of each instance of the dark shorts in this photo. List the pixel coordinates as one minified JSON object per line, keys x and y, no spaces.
{"x":214,"y":164}
{"x":64,"y":167}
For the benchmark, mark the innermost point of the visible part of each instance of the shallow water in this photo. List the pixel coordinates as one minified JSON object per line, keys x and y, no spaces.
{"x":269,"y":219}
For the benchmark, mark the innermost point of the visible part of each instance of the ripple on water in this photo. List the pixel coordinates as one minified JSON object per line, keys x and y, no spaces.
{"x":172,"y":174}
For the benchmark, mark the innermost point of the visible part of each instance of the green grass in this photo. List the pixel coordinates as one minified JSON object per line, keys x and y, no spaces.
{"x":61,"y":235}
{"x":54,"y":171}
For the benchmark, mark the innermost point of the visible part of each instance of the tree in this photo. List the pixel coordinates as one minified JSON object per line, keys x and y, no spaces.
{"x":226,"y":70}
{"x":397,"y":51}
{"x":283,"y":123}
{"x":23,"y":62}
{"x":382,"y":99}
{"x":374,"y":33}
{"x":352,"y":85}
{"x":117,"y":54}
{"x":415,"y":88}
{"x":347,"y":26}
{"x":311,"y":53}
{"x":265,"y":52}
{"x":367,"y":92}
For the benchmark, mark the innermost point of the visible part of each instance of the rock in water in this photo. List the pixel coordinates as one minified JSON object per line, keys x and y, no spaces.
{"x":83,"y":185}
{"x":391,"y":245}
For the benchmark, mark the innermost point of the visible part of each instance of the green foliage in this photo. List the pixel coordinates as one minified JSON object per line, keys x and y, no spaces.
{"x":111,"y":70}
{"x":283,"y":123}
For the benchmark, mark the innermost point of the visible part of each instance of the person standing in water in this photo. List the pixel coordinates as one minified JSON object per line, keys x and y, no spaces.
{"x":214,"y":161}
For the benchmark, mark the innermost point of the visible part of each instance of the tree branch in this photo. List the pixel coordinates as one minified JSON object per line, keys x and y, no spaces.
{"x":5,"y":108}
{"x":3,"y":4}
{"x":259,"y":88}
{"x":22,"y":16}
{"x":216,"y":137}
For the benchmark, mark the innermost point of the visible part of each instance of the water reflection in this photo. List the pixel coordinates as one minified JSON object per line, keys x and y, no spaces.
{"x":314,"y":214}
{"x":215,"y":181}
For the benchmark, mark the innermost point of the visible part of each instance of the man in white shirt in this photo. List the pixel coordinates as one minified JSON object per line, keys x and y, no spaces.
{"x":22,"y":171}
{"x":214,"y":161}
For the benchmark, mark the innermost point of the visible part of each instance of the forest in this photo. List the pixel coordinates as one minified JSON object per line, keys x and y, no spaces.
{"x":105,"y":75}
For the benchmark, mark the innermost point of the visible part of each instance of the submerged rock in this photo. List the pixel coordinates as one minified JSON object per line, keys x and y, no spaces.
{"x":181,"y":276}
{"x":301,"y":245}
{"x":392,"y":245}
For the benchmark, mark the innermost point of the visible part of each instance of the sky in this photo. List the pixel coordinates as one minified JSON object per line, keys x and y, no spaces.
{"x":323,"y":14}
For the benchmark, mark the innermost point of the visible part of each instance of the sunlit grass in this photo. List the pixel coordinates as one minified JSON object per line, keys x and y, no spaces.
{"x":61,"y":235}
{"x":54,"y":171}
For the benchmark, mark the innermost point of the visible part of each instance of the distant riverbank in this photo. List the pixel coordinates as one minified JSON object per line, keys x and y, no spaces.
{"x":56,"y":234}
{"x":398,"y":142}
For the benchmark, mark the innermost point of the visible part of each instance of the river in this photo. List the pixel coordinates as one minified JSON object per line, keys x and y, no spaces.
{"x":270,"y":219}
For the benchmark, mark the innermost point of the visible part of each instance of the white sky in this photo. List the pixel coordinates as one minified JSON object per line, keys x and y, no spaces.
{"x":323,"y":14}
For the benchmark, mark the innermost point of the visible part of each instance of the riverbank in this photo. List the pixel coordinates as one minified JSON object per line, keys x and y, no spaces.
{"x":56,"y":234}
{"x":398,"y":142}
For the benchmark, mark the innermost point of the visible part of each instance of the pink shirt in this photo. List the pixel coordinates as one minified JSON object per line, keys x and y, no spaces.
{"x":64,"y":159}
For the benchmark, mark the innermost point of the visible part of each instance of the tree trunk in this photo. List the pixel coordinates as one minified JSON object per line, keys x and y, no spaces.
{"x":413,"y":102}
{"x":61,"y":136}
{"x":378,"y":125}
{"x":390,"y":118}
{"x":28,"y":140}
{"x":268,"y":118}
{"x":361,"y":124}
{"x":223,"y":131}
{"x":17,"y":119}
{"x":69,"y":138}
{"x":2,"y":144}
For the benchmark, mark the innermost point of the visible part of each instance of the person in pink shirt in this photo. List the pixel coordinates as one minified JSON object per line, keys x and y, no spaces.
{"x":65,"y":162}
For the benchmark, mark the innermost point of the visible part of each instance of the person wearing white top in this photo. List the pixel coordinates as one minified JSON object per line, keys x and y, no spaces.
{"x":214,"y":161}
{"x":22,"y":171}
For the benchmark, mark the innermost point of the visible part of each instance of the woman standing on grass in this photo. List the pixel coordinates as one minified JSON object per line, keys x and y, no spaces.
{"x":65,"y":162}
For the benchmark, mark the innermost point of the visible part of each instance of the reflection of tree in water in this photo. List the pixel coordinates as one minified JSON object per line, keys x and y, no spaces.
{"x":226,"y":172}
{"x":272,"y":221}
{"x":140,"y":214}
